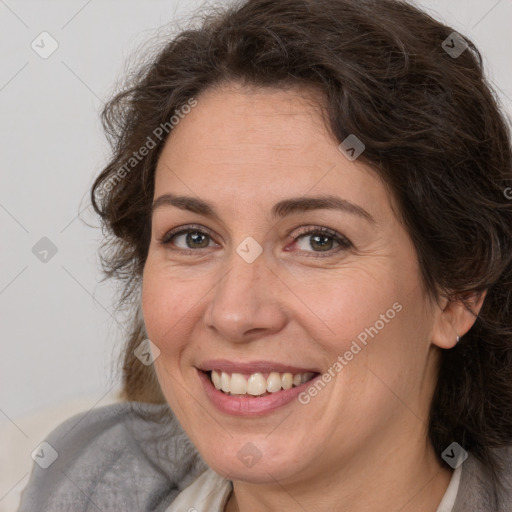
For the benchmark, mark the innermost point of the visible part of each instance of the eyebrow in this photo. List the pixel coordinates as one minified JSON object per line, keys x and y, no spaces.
{"x":279,"y":210}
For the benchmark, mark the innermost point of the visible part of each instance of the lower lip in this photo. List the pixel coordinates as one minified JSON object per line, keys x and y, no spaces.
{"x":249,"y":405}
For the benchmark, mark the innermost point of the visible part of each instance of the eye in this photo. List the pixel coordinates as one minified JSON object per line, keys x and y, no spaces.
{"x":190,"y":237}
{"x":322,"y":240}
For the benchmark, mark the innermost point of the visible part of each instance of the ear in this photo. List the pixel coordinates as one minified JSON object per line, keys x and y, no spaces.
{"x":454,"y":319}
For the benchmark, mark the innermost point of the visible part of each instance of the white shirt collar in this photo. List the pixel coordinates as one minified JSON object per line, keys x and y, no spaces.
{"x":209,"y":492}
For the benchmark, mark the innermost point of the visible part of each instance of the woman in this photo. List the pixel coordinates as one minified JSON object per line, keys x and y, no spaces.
{"x":306,"y":204}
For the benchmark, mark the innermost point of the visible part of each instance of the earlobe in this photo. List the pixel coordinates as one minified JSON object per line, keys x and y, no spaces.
{"x":455,"y":318}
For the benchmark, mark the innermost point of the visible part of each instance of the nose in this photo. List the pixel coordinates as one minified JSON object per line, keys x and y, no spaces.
{"x":247,"y":302}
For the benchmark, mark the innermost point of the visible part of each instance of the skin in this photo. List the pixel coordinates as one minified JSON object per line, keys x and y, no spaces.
{"x":361,"y":443}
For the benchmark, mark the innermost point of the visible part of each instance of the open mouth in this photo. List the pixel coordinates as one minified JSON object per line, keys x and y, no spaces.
{"x":257,"y":384}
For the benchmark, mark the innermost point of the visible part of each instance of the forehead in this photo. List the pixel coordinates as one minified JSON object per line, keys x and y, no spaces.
{"x":260,"y":143}
{"x":231,"y":120}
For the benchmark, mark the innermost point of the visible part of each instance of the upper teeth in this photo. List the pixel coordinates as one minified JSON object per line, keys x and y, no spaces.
{"x":256,"y":383}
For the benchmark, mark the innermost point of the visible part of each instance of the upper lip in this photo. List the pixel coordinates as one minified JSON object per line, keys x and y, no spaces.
{"x":228,"y":366}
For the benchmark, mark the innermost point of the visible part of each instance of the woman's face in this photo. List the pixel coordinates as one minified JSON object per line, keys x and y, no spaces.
{"x":250,"y":285}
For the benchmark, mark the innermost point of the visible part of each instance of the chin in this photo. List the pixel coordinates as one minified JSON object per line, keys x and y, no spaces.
{"x":254,"y":462}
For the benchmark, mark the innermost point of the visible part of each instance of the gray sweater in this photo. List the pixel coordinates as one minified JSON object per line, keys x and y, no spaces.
{"x":115,"y":458}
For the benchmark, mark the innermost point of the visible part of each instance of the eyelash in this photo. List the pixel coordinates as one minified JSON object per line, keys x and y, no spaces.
{"x":343,"y":242}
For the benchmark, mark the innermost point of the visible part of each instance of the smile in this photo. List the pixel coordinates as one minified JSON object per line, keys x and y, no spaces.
{"x":253,"y":389}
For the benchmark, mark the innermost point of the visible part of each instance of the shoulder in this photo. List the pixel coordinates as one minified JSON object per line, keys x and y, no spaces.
{"x":476,"y":484}
{"x":125,"y":456}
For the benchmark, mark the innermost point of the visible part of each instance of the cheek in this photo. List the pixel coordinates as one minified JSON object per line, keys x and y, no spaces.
{"x":379,"y":327}
{"x":347,"y":306}
{"x":384,"y":353}
{"x":167,"y":304}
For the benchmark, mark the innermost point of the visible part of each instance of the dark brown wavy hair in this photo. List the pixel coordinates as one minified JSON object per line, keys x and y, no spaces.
{"x":433,"y":131}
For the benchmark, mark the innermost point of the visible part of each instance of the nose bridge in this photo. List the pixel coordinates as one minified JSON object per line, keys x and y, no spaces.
{"x":243,"y":300}
{"x":247,"y":268}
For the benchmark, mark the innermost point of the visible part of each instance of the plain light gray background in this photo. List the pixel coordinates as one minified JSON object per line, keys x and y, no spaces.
{"x":58,"y":338}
